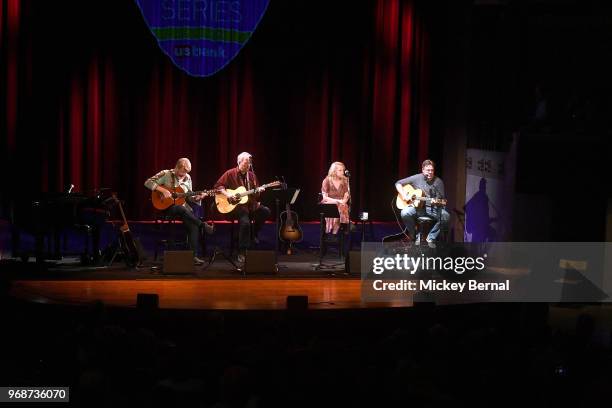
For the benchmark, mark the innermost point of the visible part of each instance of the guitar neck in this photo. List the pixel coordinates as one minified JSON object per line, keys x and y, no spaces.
{"x":434,"y":201}
{"x":123,"y":215}
{"x":255,"y":190}
{"x":194,"y":193}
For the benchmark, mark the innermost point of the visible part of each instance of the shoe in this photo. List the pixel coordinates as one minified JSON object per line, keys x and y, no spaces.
{"x":240,"y":258}
{"x":197,"y":261}
{"x":209,"y":228}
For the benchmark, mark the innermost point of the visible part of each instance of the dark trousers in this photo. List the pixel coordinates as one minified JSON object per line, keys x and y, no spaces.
{"x":191,"y":222}
{"x":259,"y":216}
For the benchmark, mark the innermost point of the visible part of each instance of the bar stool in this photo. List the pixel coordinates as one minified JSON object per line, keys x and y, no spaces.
{"x":424,"y":223}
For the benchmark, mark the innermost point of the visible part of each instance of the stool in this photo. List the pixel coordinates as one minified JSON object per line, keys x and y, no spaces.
{"x":334,"y":239}
{"x":172,"y":243}
{"x":424,"y":224}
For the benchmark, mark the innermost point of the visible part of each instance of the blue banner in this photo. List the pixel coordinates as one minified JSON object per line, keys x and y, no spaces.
{"x":202,"y":36}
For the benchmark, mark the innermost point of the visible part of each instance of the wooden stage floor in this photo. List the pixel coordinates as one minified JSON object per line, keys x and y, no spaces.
{"x":200,"y":294}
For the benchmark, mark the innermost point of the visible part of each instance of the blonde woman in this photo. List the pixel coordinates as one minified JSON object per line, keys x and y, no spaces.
{"x":335,"y":190}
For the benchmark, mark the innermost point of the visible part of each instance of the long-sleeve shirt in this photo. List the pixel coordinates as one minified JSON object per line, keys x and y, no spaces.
{"x":167,"y":178}
{"x":233,"y":178}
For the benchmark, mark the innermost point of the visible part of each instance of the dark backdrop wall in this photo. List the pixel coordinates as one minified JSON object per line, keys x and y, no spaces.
{"x":91,"y":100}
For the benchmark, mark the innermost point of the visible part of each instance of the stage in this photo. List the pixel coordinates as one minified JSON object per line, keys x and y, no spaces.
{"x":199,"y":294}
{"x":328,"y":285}
{"x":218,"y":286}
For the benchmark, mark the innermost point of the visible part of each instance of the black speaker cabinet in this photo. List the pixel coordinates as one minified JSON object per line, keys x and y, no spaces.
{"x":147,"y":301}
{"x":353,"y":263}
{"x":297,"y":302}
{"x":262,"y":262}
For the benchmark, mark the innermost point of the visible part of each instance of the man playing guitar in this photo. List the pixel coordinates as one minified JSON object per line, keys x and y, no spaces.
{"x":166,"y":180}
{"x":433,"y":189}
{"x":244,"y":176}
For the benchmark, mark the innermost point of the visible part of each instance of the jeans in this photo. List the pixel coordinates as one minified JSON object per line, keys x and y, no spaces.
{"x":191,"y":222}
{"x":440,"y":215}
{"x":244,"y":221}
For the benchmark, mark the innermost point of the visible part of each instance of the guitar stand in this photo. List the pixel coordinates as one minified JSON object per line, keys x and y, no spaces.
{"x":119,"y":251}
{"x":218,"y":252}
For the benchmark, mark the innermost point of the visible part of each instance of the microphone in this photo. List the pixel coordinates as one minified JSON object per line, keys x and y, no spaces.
{"x":347,"y":173}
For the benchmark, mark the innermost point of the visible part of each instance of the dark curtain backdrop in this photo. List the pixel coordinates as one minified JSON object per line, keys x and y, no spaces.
{"x":89,"y":98}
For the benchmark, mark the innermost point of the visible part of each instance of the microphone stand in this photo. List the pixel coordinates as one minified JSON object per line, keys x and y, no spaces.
{"x":437,"y":209}
{"x":350,"y":241}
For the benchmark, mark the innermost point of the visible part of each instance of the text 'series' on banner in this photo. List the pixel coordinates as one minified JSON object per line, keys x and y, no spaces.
{"x":202,"y":36}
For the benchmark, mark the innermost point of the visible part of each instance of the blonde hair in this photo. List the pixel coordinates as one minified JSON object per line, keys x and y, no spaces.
{"x":183,"y":163}
{"x":331,"y":173}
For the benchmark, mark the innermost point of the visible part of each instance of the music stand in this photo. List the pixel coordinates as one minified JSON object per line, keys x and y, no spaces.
{"x":327,"y":211}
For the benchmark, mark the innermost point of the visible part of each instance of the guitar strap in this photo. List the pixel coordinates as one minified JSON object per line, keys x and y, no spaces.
{"x":246,"y":182}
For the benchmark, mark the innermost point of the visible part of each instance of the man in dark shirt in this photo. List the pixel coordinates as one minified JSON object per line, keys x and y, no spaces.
{"x":243,"y":175}
{"x":433,"y":187}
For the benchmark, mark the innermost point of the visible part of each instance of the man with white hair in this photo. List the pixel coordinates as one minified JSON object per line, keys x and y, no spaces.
{"x":179,"y":177}
{"x":243,"y":175}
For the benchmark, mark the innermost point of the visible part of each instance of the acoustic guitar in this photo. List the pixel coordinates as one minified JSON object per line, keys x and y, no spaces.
{"x":126,"y":240}
{"x":417,"y":199}
{"x":239,"y":196}
{"x":290,"y":230}
{"x":178,"y":196}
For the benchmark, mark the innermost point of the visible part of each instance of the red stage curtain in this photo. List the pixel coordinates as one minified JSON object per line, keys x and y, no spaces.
{"x":106,"y":108}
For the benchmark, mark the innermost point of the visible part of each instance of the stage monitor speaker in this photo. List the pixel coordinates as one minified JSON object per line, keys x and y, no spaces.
{"x":260,"y":262}
{"x":353,"y":263}
{"x":178,"y":262}
{"x":147,"y":301}
{"x":297,"y":302}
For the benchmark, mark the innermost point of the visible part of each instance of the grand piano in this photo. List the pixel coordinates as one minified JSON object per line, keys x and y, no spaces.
{"x":50,"y":216}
